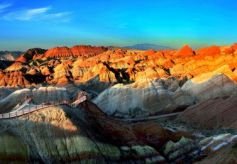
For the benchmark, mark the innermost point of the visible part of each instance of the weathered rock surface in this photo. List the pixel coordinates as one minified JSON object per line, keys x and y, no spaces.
{"x":14,"y":79}
{"x":185,"y":51}
{"x":143,"y":98}
{"x":9,"y":55}
{"x":30,"y":54}
{"x":87,"y":134}
{"x":84,"y":63}
{"x":151,"y":82}
{"x":227,"y":155}
{"x":50,"y":137}
{"x":220,"y":149}
{"x":212,"y":114}
{"x":40,"y":95}
{"x":62,"y":134}
{"x":182,"y":150}
{"x":76,"y":51}
{"x":216,"y":87}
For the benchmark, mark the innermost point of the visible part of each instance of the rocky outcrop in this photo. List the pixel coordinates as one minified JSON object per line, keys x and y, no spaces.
{"x":209,"y":51}
{"x":143,"y":98}
{"x":76,"y":51}
{"x":62,"y":134}
{"x":215,"y":87}
{"x":49,"y":136}
{"x":86,"y":134}
{"x":184,"y":52}
{"x":16,"y":66}
{"x":30,"y":54}
{"x":14,"y":79}
{"x":228,"y":154}
{"x":187,"y":150}
{"x":9,"y":55}
{"x":58,"y":52}
{"x":4,"y":64}
{"x":212,"y":114}
{"x":119,"y":132}
{"x":87,"y":51}
{"x":4,"y":92}
{"x":21,"y":79}
{"x":182,"y":150}
{"x":200,"y":83}
{"x":40,"y":95}
{"x":116,"y":65}
{"x":62,"y":74}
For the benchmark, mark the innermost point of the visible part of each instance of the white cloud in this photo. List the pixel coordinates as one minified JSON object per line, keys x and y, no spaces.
{"x":3,"y":6}
{"x":25,"y":15}
{"x":36,"y":14}
{"x":37,"y":11}
{"x":63,"y":16}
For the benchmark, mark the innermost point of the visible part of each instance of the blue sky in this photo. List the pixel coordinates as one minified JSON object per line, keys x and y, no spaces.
{"x":48,"y":23}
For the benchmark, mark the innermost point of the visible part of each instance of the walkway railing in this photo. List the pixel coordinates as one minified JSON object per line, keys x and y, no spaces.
{"x":34,"y":108}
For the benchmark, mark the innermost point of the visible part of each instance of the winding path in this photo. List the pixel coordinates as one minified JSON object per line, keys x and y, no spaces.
{"x":149,"y":118}
{"x":27,"y":108}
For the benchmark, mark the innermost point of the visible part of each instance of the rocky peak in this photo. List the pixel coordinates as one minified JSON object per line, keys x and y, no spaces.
{"x":185,"y":51}
{"x":209,"y":51}
{"x":29,"y":54}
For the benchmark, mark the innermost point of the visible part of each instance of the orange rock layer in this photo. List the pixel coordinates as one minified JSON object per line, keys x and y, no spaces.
{"x":62,"y":65}
{"x":76,"y":51}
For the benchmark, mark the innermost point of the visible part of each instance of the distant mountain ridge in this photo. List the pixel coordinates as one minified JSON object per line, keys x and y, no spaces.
{"x":9,"y":55}
{"x":147,"y":46}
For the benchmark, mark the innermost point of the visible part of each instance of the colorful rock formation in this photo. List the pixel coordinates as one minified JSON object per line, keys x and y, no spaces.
{"x":60,"y":134}
{"x":212,"y":114}
{"x":39,"y":96}
{"x":144,"y":98}
{"x":76,"y":51}
{"x":30,"y":54}
{"x":83,"y":63}
{"x":14,"y":79}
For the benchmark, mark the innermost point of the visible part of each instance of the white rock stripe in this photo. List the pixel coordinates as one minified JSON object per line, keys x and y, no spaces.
{"x":218,"y":142}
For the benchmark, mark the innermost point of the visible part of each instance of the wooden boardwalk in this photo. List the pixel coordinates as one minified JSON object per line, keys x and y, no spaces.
{"x":149,"y":118}
{"x":27,"y":108}
{"x":32,"y":108}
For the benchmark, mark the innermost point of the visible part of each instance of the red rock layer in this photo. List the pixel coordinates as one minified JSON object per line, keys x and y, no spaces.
{"x":185,"y":51}
{"x":149,"y":133}
{"x":218,"y":113}
{"x":83,"y":63}
{"x":76,"y":51}
{"x":209,"y":51}
{"x":14,"y":79}
{"x":30,"y":54}
{"x":21,"y":59}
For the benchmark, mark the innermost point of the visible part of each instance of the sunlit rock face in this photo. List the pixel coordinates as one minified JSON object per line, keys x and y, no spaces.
{"x":143,"y":98}
{"x":217,"y":86}
{"x":76,"y":51}
{"x":215,"y":106}
{"x":14,"y":79}
{"x":209,"y":51}
{"x":31,"y":54}
{"x":185,"y":51}
{"x":116,"y":65}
